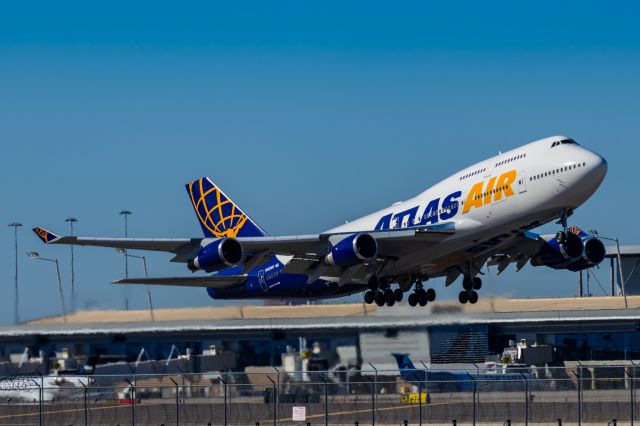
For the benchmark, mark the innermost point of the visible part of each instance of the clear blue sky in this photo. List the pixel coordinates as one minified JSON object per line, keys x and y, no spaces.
{"x":307,"y":114}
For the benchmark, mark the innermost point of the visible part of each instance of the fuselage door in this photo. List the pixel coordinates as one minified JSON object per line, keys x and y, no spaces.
{"x":522,"y":181}
{"x":261,"y":280}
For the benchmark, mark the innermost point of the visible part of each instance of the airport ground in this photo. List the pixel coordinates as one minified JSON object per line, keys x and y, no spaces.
{"x":598,"y":407}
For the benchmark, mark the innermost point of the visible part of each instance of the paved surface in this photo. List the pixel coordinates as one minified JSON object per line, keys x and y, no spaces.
{"x":344,"y":410}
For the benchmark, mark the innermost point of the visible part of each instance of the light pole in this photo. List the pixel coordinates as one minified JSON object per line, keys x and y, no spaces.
{"x":125,"y":214}
{"x":622,"y":281}
{"x":123,"y":252}
{"x":71,"y":221}
{"x":36,"y":255}
{"x":16,"y":225}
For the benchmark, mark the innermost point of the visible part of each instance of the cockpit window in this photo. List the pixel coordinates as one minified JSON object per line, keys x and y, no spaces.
{"x":564,"y":142}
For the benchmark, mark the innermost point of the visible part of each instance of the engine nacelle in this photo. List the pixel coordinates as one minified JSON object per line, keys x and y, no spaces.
{"x":593,"y":253}
{"x":217,"y":255}
{"x":352,"y":250}
{"x":559,"y":251}
{"x":574,"y":251}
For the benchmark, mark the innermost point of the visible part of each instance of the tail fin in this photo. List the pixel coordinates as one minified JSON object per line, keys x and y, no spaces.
{"x":404,"y":362}
{"x":218,"y":215}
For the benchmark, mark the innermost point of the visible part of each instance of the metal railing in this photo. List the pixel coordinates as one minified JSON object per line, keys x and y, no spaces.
{"x":574,"y":395}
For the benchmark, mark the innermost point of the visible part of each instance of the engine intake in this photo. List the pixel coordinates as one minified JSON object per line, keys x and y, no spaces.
{"x":594,"y":251}
{"x":217,"y":255}
{"x":352,"y":250}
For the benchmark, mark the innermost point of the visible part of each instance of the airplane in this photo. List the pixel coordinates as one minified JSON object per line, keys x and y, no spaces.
{"x":54,"y":386}
{"x":448,"y":381}
{"x":481,"y":215}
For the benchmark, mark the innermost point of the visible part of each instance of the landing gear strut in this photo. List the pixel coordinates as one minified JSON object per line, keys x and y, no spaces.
{"x":469,"y":294}
{"x":380,"y":293}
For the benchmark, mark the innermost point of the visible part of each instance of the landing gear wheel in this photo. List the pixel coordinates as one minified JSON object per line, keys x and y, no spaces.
{"x":477,"y":283}
{"x":397,"y":294}
{"x":473,"y":297}
{"x":561,"y":237}
{"x":373,"y":283}
{"x":467,"y":283}
{"x":431,"y":295}
{"x":413,"y":299}
{"x":389,"y":297}
{"x":463,"y":297}
{"x":379,"y":298}
{"x":369,"y":297}
{"x":422,"y":298}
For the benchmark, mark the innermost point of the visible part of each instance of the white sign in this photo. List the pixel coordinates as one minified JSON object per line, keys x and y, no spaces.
{"x":299,"y":414}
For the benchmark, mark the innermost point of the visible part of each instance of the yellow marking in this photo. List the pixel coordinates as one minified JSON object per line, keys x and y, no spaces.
{"x":488,"y":194}
{"x":504,"y":185}
{"x":68,"y":410}
{"x":474,"y":199}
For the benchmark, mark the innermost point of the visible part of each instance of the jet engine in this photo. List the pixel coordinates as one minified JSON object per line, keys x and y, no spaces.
{"x":574,"y":251}
{"x":354,"y":249}
{"x":593,"y":253}
{"x":217,"y":255}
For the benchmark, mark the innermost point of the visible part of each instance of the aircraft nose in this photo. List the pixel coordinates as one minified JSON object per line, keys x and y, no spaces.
{"x":599,"y":167}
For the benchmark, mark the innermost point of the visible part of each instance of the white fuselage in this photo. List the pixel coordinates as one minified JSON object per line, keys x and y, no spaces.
{"x":491,"y":201}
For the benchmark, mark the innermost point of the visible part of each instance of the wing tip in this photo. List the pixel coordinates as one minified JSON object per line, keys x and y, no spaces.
{"x":45,"y":236}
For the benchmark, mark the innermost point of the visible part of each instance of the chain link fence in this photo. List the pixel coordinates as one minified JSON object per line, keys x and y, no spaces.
{"x":577,"y":395}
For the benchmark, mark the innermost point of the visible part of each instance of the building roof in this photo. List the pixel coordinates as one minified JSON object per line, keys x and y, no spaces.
{"x":332,"y":317}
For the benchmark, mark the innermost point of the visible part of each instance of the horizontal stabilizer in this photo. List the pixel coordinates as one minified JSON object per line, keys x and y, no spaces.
{"x":213,"y":281}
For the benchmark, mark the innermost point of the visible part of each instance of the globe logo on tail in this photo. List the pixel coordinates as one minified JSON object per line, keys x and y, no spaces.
{"x":216,"y":213}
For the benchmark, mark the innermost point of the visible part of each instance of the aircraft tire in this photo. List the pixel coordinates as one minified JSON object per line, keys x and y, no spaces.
{"x":473,"y":297}
{"x":397,"y":294}
{"x":431,"y":295}
{"x":477,"y":283}
{"x":391,"y":302}
{"x":467,"y":283}
{"x":413,"y":299}
{"x":561,"y":237}
{"x":389,"y":297}
{"x":422,"y":298}
{"x":369,"y":297}
{"x":463,"y":297}
{"x":379,"y":298}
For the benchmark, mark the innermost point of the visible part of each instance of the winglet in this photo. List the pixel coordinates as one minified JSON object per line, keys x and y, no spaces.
{"x":46,"y":236}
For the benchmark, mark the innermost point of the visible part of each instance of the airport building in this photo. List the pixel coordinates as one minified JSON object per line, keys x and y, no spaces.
{"x":343,"y":336}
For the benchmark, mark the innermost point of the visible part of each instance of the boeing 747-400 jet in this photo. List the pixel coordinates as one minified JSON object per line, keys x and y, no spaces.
{"x":481,"y":215}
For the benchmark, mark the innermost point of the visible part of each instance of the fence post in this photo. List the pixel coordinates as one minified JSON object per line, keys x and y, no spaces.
{"x":275,"y":401}
{"x":632,"y":388}
{"x":374,"y":399}
{"x":326,"y":400}
{"x":579,"y":377}
{"x":133,"y":401}
{"x":475,"y":391}
{"x":86,"y":409}
{"x":526,"y":399}
{"x":40,"y":394}
{"x":224,"y":392}
{"x":426,"y":391}
{"x":420,"y":402}
{"x":177,"y":401}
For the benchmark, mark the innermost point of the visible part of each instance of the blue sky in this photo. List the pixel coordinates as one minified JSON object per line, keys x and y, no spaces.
{"x":306,"y":114}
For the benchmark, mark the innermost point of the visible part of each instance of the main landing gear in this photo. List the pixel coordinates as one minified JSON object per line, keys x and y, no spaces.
{"x":420,"y":296}
{"x":381,"y":293}
{"x":469,"y":294}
